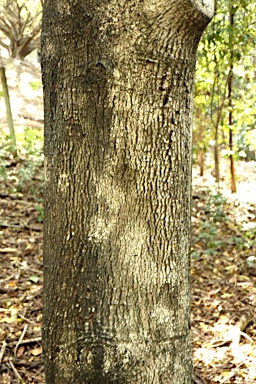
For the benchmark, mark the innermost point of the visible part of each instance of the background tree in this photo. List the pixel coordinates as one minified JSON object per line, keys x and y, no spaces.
{"x":20,"y":26}
{"x":118,"y":89}
{"x":232,"y":11}
{"x":227,"y":49}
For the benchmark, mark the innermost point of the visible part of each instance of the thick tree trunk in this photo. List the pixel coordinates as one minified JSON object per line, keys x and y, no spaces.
{"x":118,"y":81}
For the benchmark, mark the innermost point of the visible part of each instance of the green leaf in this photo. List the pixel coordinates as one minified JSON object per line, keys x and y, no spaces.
{"x":34,"y":278}
{"x":251,"y":261}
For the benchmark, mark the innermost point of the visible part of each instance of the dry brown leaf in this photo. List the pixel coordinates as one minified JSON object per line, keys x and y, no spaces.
{"x":36,"y":351}
{"x":20,"y":351}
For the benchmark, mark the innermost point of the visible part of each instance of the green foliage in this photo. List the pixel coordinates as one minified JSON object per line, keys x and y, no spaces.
{"x":31,"y":144}
{"x":34,"y":278}
{"x":211,"y":214}
{"x":40,"y":210}
{"x":2,"y":172}
{"x":216,"y":207}
{"x":216,"y":227}
{"x":24,"y":175}
{"x":36,"y":85}
{"x":251,"y":261}
{"x":221,"y":46}
{"x":249,"y":239}
{"x":208,"y":238}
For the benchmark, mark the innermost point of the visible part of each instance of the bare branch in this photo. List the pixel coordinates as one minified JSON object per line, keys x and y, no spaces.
{"x":4,"y":45}
{"x":20,"y":27}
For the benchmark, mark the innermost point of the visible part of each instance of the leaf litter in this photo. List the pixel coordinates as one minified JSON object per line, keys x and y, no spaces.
{"x":20,"y":278}
{"x":223,"y":271}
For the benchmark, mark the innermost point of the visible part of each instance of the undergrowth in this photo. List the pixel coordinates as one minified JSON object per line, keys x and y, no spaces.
{"x":24,"y":174}
{"x":214,"y":228}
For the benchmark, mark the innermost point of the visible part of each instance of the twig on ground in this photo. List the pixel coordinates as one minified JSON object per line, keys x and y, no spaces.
{"x":8,"y":278}
{"x":237,"y":329}
{"x":2,"y":351}
{"x":232,"y":374}
{"x":28,"y":341}
{"x":26,"y":319}
{"x":21,"y":337}
{"x":39,"y":371}
{"x":16,"y":373}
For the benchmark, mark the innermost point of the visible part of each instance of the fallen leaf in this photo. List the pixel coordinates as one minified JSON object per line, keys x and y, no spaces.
{"x":36,"y":351}
{"x":34,"y":278}
{"x":20,"y":351}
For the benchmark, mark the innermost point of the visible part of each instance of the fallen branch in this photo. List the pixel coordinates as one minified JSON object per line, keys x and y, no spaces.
{"x":234,"y":335}
{"x":2,"y":351}
{"x":27,"y":341}
{"x":21,"y":337}
{"x":16,"y":373}
{"x":237,"y":330}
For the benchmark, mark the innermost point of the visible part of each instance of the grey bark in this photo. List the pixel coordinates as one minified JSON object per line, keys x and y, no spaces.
{"x":118,"y":88}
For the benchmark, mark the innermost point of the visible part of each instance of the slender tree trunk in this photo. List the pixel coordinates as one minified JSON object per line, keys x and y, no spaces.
{"x":216,"y":114}
{"x":216,"y":155}
{"x":201,"y":151}
{"x":231,"y":156}
{"x":197,"y":138}
{"x":230,"y":122}
{"x":118,"y":88}
{"x":5,"y":88}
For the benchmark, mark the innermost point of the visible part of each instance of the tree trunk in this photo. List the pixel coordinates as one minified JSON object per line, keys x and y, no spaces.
{"x":200,"y":142}
{"x":230,"y":112}
{"x":118,"y":88}
{"x":3,"y":82}
{"x":216,"y":155}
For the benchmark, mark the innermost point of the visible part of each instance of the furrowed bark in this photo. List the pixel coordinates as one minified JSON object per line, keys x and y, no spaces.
{"x":118,"y":87}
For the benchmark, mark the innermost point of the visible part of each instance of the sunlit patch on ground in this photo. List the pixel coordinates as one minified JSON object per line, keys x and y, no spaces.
{"x":223,"y":279}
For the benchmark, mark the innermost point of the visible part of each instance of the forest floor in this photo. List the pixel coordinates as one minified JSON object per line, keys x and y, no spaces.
{"x":223,"y":272}
{"x":223,"y":260}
